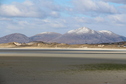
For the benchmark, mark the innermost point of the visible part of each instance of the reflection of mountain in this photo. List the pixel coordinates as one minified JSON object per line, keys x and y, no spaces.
{"x":78,"y":36}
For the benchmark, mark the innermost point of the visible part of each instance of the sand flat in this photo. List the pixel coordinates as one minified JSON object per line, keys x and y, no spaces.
{"x":50,"y":67}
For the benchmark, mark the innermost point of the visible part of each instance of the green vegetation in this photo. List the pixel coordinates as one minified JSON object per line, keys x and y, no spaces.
{"x":102,"y":66}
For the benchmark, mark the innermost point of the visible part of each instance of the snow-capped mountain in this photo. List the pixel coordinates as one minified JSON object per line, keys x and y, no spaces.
{"x":85,"y":35}
{"x":78,"y":36}
{"x":45,"y":36}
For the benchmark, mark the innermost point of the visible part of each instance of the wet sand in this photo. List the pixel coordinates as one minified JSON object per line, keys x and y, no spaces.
{"x":55,"y":67}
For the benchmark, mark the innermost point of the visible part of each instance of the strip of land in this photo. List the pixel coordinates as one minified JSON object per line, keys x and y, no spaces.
{"x":37,"y":45}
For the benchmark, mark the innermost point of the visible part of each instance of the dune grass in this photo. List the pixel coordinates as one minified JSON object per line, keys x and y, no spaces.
{"x":101,"y":66}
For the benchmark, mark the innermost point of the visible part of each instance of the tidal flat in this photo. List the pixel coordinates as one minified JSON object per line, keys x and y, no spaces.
{"x":50,"y":67}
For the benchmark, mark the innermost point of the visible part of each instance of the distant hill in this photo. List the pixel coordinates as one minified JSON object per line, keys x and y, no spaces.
{"x":45,"y":36}
{"x":16,"y":37}
{"x":78,"y":36}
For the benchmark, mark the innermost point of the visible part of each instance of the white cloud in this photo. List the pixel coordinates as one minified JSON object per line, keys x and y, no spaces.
{"x":9,"y":10}
{"x":30,"y":9}
{"x":45,"y":15}
{"x":117,"y":1}
{"x":20,"y":10}
{"x":54,"y":14}
{"x":36,"y":25}
{"x":123,"y":9}
{"x":118,"y":19}
{"x":4,"y":19}
{"x":47,"y":4}
{"x":99,"y":19}
{"x":93,"y":7}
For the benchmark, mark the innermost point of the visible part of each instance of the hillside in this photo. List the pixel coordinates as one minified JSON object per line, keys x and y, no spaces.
{"x":16,"y":37}
{"x":45,"y":36}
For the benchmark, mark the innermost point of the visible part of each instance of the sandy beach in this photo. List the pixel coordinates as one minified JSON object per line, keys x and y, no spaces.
{"x":60,"y":67}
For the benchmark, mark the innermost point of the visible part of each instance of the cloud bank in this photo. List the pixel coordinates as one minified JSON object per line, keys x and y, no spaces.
{"x":36,"y":16}
{"x":117,"y":1}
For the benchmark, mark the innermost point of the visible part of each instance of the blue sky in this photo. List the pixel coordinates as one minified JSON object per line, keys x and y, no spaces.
{"x":10,"y":1}
{"x":31,"y":17}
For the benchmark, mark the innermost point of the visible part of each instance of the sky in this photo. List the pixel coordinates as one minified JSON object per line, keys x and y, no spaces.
{"x":31,"y":17}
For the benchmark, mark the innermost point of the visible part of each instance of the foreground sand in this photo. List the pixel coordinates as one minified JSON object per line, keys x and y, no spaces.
{"x":56,"y":68}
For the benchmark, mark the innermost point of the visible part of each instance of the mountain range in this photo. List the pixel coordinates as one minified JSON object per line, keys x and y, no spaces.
{"x":81,"y":35}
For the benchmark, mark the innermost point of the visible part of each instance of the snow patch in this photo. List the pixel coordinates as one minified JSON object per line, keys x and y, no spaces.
{"x":47,"y":33}
{"x":106,"y":31}
{"x":81,"y":31}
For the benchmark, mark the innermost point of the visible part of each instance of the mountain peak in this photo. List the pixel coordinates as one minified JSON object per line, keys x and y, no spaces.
{"x":81,"y":30}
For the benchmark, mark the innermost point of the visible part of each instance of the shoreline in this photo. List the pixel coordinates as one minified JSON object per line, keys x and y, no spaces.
{"x":64,"y":48}
{"x":64,"y":53}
